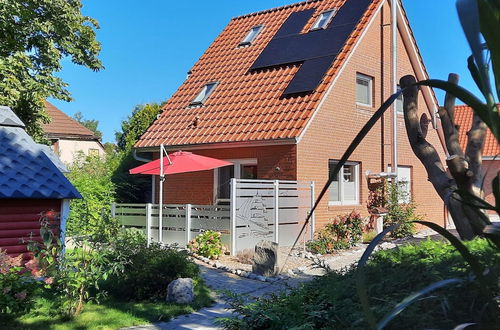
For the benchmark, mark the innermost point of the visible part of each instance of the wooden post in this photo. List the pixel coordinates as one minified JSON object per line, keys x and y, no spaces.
{"x":233,"y":216}
{"x":276,"y":210}
{"x":188,"y":223}
{"x":149,"y":221}
{"x":113,"y":210}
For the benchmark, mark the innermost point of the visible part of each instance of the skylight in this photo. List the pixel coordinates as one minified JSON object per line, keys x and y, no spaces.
{"x":323,"y":20}
{"x":204,"y":93}
{"x":251,"y":35}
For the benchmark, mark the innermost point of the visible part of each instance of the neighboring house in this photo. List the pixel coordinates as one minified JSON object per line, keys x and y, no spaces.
{"x":70,"y":138}
{"x":31,"y":184}
{"x":281,"y":93}
{"x":491,"y":150}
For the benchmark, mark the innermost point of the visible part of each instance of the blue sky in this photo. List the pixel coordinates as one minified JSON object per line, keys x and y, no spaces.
{"x":149,"y":45}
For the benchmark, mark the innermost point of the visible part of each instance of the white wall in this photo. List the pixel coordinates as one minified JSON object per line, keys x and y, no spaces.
{"x":68,"y":149}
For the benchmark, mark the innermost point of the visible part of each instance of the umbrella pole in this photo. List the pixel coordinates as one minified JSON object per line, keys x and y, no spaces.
{"x":160,"y":211}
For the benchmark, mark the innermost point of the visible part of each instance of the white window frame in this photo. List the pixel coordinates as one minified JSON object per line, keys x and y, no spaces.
{"x":203,"y":94}
{"x":237,"y":174}
{"x":341,"y":185}
{"x":368,"y":79}
{"x":251,"y":35}
{"x":316,"y":26}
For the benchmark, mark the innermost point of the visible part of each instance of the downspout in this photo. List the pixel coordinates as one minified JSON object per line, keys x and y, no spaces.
{"x":394,"y":67}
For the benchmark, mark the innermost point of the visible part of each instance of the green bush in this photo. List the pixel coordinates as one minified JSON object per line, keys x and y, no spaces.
{"x":92,"y":177}
{"x":402,"y":213}
{"x":344,"y":232}
{"x":148,"y":271}
{"x":331,"y":302}
{"x":207,"y":244}
{"x":16,"y":287}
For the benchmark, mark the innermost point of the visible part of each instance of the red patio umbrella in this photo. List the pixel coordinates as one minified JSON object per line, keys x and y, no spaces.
{"x":180,"y":162}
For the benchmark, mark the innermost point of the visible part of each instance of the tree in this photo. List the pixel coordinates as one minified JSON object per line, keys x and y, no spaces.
{"x":460,"y":187}
{"x":133,"y":188}
{"x":35,"y":36}
{"x":91,"y":124}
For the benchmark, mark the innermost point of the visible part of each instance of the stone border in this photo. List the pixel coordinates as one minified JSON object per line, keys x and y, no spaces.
{"x":238,"y":272}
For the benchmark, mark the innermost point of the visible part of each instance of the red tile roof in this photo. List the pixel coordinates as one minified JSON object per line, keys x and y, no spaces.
{"x":62,"y":125}
{"x":245,"y":106}
{"x":463,"y":118}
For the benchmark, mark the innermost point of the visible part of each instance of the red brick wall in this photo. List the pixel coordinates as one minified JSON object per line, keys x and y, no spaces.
{"x":339,"y":119}
{"x":273,"y":162}
{"x":490,"y":168}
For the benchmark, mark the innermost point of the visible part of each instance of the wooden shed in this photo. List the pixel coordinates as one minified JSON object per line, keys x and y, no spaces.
{"x":31,"y":184}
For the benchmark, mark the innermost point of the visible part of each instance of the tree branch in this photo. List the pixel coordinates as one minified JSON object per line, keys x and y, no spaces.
{"x":447,"y":116}
{"x":474,"y":151}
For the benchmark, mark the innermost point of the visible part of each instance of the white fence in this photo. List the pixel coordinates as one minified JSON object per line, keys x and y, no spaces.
{"x":181,"y":223}
{"x":259,"y":209}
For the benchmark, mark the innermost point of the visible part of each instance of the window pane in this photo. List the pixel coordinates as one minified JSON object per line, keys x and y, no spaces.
{"x":251,"y":35}
{"x":363,"y":91}
{"x":248,"y":171}
{"x":334,"y":187}
{"x":323,"y":20}
{"x":349,"y":183}
{"x":399,"y":102}
{"x":226,"y":173}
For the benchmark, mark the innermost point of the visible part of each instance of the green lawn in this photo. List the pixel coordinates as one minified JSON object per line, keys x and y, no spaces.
{"x":108,"y":315}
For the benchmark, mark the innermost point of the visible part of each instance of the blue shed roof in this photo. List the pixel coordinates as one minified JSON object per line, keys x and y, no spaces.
{"x":25,"y":169}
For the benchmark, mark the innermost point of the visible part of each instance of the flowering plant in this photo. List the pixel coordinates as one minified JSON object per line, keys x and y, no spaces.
{"x":207,"y":244}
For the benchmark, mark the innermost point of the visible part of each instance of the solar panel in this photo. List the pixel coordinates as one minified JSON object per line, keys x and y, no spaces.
{"x":316,"y":50}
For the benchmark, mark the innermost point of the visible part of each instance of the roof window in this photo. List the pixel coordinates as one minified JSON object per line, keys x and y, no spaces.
{"x":323,"y":20}
{"x":204,"y":93}
{"x":251,"y":35}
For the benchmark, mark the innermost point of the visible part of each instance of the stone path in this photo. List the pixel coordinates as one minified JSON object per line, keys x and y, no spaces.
{"x":219,"y":280}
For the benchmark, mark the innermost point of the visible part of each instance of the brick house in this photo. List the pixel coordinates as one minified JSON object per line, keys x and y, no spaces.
{"x":491,"y":151}
{"x":281,"y":93}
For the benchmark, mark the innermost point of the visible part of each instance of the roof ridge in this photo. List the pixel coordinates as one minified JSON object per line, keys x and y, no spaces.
{"x":275,"y":9}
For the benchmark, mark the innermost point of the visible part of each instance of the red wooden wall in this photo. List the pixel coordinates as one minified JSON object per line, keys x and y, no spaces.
{"x":21,"y":217}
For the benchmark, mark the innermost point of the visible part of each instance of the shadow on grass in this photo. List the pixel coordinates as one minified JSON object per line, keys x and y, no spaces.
{"x":110,"y":314}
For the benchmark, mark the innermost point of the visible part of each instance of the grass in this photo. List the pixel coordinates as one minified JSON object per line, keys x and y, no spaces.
{"x":331,"y":302}
{"x":109,"y":314}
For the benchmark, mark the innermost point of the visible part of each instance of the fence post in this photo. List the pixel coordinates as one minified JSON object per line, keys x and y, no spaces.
{"x":276,"y":210}
{"x":188,"y":223}
{"x":313,"y":217}
{"x":113,"y":210}
{"x":149,"y":221}
{"x":232,"y":220}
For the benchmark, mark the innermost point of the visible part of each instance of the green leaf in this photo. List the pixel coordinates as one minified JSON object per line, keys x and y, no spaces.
{"x":412,"y":298}
{"x":461,"y":248}
{"x":471,"y":65}
{"x":361,"y":279}
{"x":488,"y":115}
{"x":489,"y":19}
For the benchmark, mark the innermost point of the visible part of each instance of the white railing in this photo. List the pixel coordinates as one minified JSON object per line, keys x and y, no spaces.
{"x":181,"y":222}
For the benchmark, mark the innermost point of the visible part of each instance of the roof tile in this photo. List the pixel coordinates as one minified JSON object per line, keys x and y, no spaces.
{"x":463,"y":118}
{"x":63,"y":125}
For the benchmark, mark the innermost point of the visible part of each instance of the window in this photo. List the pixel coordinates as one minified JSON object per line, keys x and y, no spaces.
{"x":399,"y":102}
{"x":242,"y":169}
{"x":346,"y":190}
{"x":364,"y":89}
{"x":323,"y":20}
{"x":204,"y":94}
{"x":404,"y":183}
{"x":252,"y":34}
{"x":94,"y":152}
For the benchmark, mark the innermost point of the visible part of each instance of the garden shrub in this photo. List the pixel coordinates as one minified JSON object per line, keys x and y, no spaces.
{"x":17,"y":286}
{"x":148,"y":271}
{"x":207,"y":244}
{"x":344,"y":232}
{"x":331,"y":302}
{"x":402,"y":213}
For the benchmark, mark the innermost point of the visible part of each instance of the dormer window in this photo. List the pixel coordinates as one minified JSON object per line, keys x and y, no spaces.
{"x":323,"y":20}
{"x":251,"y":35}
{"x":204,"y":94}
